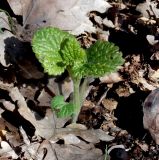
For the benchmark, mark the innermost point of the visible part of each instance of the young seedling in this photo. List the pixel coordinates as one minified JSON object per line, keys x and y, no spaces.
{"x":58,"y":51}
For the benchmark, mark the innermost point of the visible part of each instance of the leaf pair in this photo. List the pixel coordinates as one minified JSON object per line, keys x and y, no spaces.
{"x":58,"y":50}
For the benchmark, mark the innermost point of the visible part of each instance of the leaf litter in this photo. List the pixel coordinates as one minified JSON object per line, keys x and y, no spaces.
{"x":29,"y":129}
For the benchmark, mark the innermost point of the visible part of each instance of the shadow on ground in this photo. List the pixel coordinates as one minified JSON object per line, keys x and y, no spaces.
{"x":130,"y":115}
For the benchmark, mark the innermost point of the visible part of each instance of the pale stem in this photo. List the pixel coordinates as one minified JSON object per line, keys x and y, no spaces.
{"x":76,"y":100}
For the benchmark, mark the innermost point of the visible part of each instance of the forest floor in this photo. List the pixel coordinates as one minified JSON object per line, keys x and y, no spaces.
{"x":113,"y":108}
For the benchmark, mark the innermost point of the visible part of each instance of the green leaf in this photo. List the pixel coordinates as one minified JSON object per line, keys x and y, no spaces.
{"x":66,"y":111}
{"x":58,"y":102}
{"x":102,"y":58}
{"x":73,"y":55}
{"x":62,"y":108}
{"x":72,"y":52}
{"x":46,"y":44}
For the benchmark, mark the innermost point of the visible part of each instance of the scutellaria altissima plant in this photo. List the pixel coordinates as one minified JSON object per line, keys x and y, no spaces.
{"x":58,"y":51}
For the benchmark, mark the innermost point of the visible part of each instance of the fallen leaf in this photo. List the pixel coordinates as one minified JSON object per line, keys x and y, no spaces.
{"x":148,"y":8}
{"x":111,"y":78}
{"x":70,"y":15}
{"x":70,"y":152}
{"x":44,"y":127}
{"x":71,"y":139}
{"x":7,"y":151}
{"x":4,"y":23}
{"x":151,"y":39}
{"x":109,"y":104}
{"x":3,"y":36}
{"x":151,"y":114}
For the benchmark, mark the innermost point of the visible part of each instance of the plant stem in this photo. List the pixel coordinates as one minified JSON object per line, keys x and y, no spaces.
{"x":76,"y":100}
{"x":83,"y":88}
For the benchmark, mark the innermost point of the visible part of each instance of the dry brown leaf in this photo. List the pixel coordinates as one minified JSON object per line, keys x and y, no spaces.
{"x":44,"y":127}
{"x":111,"y":78}
{"x":70,"y":15}
{"x":110,"y":104}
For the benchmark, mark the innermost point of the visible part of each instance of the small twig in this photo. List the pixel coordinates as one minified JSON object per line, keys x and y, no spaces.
{"x":102,"y":97}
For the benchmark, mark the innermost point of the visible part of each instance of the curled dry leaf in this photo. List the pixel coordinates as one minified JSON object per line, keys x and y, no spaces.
{"x":44,"y":127}
{"x":46,"y":151}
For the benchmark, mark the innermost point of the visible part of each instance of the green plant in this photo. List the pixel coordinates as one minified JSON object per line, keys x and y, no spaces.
{"x":58,"y":51}
{"x":106,"y":156}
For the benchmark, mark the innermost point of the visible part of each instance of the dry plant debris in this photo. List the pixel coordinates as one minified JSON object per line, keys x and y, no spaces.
{"x":112,"y":113}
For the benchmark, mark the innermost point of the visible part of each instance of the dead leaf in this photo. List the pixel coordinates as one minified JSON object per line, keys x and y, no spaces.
{"x":154,"y":75}
{"x":7,"y":151}
{"x":46,"y":151}
{"x":70,"y":15}
{"x":151,"y":114}
{"x":44,"y":99}
{"x":143,"y":146}
{"x":148,"y":9}
{"x":103,"y":136}
{"x":71,"y":139}
{"x":110,"y":104}
{"x":70,"y":152}
{"x":4,"y":21}
{"x":19,"y":6}
{"x":44,"y":127}
{"x":3,"y":36}
{"x":151,"y":39}
{"x":111,"y":78}
{"x":30,"y":151}
{"x":63,"y":87}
